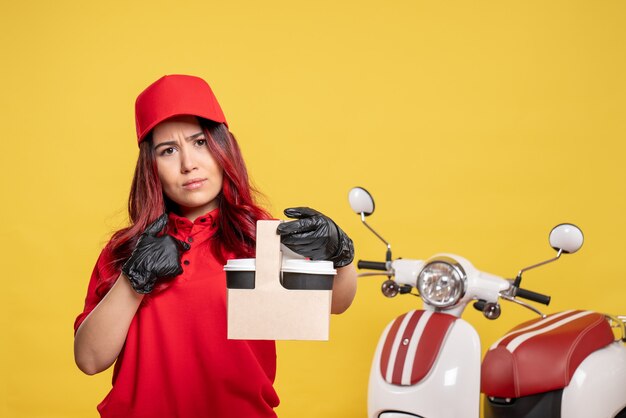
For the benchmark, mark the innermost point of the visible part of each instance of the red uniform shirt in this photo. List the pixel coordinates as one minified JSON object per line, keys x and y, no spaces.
{"x":176,"y":361}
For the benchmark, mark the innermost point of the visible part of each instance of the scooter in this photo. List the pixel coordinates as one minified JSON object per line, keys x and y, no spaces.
{"x":428,"y":362}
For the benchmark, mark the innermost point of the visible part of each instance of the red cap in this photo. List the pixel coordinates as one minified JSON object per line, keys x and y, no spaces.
{"x":174,"y":95}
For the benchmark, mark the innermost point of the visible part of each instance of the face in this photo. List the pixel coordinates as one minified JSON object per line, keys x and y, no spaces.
{"x":188,"y":172}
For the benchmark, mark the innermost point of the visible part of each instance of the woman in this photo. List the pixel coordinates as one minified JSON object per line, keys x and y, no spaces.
{"x":156,"y":302}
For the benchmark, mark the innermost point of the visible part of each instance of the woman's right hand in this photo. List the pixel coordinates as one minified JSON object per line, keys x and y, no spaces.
{"x":154,"y":257}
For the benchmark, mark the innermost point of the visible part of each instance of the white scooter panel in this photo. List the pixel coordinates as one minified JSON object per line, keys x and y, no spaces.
{"x":447,"y":388}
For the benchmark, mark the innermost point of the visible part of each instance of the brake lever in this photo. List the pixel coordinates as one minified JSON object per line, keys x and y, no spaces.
{"x":382,"y":273}
{"x":524,"y":304}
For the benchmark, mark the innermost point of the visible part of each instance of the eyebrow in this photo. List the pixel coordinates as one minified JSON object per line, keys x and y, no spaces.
{"x":189,"y":138}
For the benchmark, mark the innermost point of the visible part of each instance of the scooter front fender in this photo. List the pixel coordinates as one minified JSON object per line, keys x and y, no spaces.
{"x":450,"y":389}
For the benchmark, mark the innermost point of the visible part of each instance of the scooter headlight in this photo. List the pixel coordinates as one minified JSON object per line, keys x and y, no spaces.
{"x":442,"y":282}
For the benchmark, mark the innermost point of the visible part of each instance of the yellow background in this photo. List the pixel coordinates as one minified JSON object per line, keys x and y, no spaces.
{"x":476,"y":125}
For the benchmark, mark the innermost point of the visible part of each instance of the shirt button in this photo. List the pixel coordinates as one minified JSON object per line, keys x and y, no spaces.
{"x":186,"y":262}
{"x":190,"y":239}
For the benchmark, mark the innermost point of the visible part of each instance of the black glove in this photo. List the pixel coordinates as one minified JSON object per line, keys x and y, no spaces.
{"x":316,"y":236}
{"x":154,"y":257}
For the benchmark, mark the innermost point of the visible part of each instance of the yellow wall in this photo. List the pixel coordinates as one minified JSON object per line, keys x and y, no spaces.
{"x":477,"y":125}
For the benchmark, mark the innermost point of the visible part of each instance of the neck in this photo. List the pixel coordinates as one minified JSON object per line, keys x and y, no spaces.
{"x":194,"y":213}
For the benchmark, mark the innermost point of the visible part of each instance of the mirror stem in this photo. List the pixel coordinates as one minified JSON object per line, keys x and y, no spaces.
{"x":379,"y":237}
{"x":518,"y":279}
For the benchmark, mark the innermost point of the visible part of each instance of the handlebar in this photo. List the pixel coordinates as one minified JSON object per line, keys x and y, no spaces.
{"x":521,"y":293}
{"x":372,"y":265}
{"x":534,"y":296}
{"x":493,"y":311}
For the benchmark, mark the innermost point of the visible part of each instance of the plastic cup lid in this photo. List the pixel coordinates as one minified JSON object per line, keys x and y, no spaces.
{"x":308,"y":266}
{"x":289,"y":265}
{"x":240,"y":264}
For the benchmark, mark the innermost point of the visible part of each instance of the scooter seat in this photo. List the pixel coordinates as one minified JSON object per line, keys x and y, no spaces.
{"x":542,"y":355}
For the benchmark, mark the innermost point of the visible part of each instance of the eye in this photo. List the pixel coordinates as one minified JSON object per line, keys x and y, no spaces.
{"x":201,"y":142}
{"x":168,"y":151}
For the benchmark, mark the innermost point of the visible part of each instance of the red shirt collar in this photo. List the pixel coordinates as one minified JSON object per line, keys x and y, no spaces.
{"x":182,"y":228}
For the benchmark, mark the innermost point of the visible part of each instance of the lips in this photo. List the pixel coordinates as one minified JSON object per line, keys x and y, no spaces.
{"x":193,"y":184}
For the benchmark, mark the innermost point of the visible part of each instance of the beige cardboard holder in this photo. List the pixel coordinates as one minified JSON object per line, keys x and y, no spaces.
{"x":271,"y":312}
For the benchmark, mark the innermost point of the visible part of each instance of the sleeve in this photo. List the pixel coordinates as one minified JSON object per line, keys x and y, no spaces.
{"x":102,"y":276}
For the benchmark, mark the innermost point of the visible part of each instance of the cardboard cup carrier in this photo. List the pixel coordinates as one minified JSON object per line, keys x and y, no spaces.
{"x":279,"y":295}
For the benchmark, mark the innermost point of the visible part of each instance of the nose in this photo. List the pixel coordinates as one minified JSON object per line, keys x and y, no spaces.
{"x":187,"y":160}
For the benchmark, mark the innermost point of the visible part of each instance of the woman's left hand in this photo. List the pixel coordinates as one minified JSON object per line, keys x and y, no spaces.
{"x":316,"y":236}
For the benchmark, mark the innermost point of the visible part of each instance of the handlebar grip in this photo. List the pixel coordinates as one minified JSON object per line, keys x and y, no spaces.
{"x":372,"y":265}
{"x":534,"y":296}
